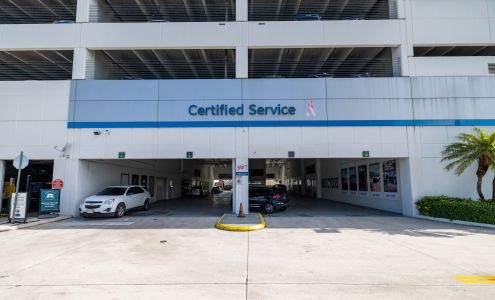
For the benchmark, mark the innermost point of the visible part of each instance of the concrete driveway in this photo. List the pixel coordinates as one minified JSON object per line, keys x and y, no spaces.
{"x":347,"y":253}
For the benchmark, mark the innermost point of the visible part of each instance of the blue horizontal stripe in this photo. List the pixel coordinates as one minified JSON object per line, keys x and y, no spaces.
{"x":295,"y":123}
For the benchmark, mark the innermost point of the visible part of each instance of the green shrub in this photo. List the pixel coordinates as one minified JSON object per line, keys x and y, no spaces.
{"x":457,"y":209}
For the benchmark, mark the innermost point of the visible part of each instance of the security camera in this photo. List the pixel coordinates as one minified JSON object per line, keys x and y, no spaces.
{"x":60,"y":148}
{"x":97,"y":132}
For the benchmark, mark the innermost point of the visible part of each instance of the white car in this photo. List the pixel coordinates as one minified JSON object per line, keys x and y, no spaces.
{"x":115,"y":201}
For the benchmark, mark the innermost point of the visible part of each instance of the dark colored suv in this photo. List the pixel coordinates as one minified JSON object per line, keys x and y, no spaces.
{"x":267,"y":199}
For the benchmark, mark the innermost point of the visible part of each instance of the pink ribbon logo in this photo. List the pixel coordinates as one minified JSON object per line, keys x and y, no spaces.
{"x":311,"y":109}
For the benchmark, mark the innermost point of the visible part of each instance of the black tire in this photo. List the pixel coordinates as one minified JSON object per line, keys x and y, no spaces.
{"x":120,"y":210}
{"x":147,"y":204}
{"x":269,"y":208}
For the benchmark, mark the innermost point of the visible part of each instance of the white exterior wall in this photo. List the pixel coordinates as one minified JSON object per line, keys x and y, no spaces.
{"x":449,"y":23}
{"x":33,"y":118}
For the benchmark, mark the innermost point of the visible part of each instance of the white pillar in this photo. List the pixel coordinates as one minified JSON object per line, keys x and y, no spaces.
{"x":318,"y":179}
{"x":68,"y":170}
{"x":212,"y":175}
{"x":240,"y":165}
{"x":84,"y":9}
{"x":410,"y":174}
{"x":84,"y":64}
{"x":241,"y":183}
{"x":241,"y":10}
{"x":241,"y":62}
{"x":303,"y":178}
{"x":283,"y":173}
{"x":2,"y":179}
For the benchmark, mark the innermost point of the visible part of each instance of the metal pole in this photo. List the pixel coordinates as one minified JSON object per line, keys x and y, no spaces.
{"x":17,"y":187}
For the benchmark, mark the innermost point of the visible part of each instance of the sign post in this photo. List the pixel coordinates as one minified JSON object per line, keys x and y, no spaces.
{"x":20,"y":162}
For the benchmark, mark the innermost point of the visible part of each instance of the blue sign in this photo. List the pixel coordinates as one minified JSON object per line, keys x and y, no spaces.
{"x":253,"y":110}
{"x":241,"y":173}
{"x":50,"y":200}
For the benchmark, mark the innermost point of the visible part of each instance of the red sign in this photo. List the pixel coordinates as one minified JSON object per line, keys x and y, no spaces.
{"x":57,"y":184}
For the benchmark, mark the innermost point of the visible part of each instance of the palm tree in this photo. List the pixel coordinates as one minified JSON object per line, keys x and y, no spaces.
{"x":480,"y":147}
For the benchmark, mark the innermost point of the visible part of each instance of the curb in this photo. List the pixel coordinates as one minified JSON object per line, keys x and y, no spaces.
{"x":9,"y":227}
{"x":457,"y":222}
{"x":240,"y":228}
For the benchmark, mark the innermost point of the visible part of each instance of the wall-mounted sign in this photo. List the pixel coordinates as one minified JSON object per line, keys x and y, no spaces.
{"x":252,"y":109}
{"x":50,"y":200}
{"x":189,"y":154}
{"x":121,"y":155}
{"x":57,"y":184}
{"x":20,"y":206}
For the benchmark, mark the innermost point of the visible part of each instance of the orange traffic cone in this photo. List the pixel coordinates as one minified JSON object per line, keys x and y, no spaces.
{"x":241,"y":212}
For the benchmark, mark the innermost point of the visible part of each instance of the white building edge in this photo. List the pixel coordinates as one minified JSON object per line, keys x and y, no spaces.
{"x":408,"y":118}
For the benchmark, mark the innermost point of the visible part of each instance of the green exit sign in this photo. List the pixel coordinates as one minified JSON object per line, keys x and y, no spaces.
{"x":189,"y":155}
{"x":121,"y":154}
{"x":366,"y":154}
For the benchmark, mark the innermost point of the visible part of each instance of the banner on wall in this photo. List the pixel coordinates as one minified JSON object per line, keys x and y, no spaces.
{"x":344,"y":179}
{"x":352,"y":179}
{"x":375,"y":180}
{"x":390,"y":178}
{"x":363,"y":180}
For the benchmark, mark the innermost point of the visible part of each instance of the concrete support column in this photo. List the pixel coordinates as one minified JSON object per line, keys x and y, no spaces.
{"x":212,"y":175}
{"x":2,"y":179}
{"x":241,"y":183}
{"x":84,"y":10}
{"x":283,"y":174}
{"x":241,"y":10}
{"x":84,"y":64}
{"x":318,"y":179}
{"x":410,"y":174}
{"x":303,"y":178}
{"x":68,"y":171}
{"x":241,"y":62}
{"x":240,"y":171}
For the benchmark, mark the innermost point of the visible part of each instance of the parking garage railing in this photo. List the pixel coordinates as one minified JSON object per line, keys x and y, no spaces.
{"x":330,"y":68}
{"x":170,"y":69}
{"x":35,"y":70}
{"x":163,"y":13}
{"x":16,"y":12}
{"x":261,"y":10}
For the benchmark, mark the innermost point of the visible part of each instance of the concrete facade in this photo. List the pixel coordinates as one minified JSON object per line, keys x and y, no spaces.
{"x":408,"y":118}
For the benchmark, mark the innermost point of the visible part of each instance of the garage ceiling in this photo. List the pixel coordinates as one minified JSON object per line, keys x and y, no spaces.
{"x":35,"y":65}
{"x":321,"y":62}
{"x":165,"y":64}
{"x":36,"y":11}
{"x":164,"y":11}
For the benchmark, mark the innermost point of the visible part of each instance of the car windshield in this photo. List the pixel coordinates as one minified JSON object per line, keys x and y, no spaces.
{"x":112,"y":191}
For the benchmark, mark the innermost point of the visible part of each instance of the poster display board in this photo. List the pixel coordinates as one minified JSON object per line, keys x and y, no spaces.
{"x":353,"y":180}
{"x":378,"y":179}
{"x":50,"y":201}
{"x":375,"y":180}
{"x":390,"y":178}
{"x":344,"y":179}
{"x":363,"y":180}
{"x":20,"y":208}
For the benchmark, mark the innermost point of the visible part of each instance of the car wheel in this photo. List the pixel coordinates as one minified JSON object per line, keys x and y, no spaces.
{"x":269,"y":208}
{"x":120,"y":211}
{"x":146,"y":205}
